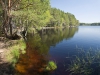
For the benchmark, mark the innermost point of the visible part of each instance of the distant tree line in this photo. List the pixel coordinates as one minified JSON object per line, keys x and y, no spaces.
{"x":89,"y":24}
{"x":60,"y":18}
{"x":32,"y":14}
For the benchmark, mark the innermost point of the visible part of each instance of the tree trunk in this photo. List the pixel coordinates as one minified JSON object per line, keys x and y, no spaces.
{"x":7,"y":24}
{"x":7,"y":18}
{"x":10,"y":18}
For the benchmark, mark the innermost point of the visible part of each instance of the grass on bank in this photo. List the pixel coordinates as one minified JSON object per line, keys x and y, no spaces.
{"x":15,"y":50}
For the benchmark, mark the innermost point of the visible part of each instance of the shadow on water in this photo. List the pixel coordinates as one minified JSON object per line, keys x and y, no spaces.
{"x":34,"y":61}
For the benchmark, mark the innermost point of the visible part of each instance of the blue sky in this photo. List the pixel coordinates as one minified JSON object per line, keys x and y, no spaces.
{"x":87,"y":11}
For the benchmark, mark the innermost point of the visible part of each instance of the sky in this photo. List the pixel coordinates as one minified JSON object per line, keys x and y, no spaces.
{"x":86,"y":11}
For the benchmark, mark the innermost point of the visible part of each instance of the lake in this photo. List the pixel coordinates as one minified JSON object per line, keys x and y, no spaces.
{"x":64,"y":46}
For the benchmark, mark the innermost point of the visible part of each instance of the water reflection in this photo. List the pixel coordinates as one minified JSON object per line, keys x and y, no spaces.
{"x":37,"y":51}
{"x":54,"y":36}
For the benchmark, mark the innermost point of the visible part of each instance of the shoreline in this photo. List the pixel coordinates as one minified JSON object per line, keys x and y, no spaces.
{"x":4,"y":64}
{"x":3,"y":51}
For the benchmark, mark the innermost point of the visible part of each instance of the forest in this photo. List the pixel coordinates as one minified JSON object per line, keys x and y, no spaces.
{"x":89,"y":24}
{"x":32,"y":15}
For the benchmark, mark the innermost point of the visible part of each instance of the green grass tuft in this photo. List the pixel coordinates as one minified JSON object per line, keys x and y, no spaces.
{"x":51,"y":66}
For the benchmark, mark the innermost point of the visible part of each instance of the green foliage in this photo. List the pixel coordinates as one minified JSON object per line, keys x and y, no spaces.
{"x":35,"y":14}
{"x":51,"y":66}
{"x":60,"y":18}
{"x":15,"y":53}
{"x":72,"y":19}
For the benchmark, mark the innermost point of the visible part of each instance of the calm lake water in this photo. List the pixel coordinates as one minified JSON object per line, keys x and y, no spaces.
{"x":57,"y":45}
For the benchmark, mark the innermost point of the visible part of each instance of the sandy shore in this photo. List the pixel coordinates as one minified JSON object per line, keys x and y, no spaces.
{"x":3,"y":50}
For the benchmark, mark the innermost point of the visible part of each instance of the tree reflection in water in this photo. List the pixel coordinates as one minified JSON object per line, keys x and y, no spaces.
{"x":37,"y":51}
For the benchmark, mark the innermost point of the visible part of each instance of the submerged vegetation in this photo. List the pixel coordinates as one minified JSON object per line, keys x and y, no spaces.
{"x":85,"y":63}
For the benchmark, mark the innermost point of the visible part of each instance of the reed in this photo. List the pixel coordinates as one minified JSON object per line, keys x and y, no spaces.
{"x":85,"y":63}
